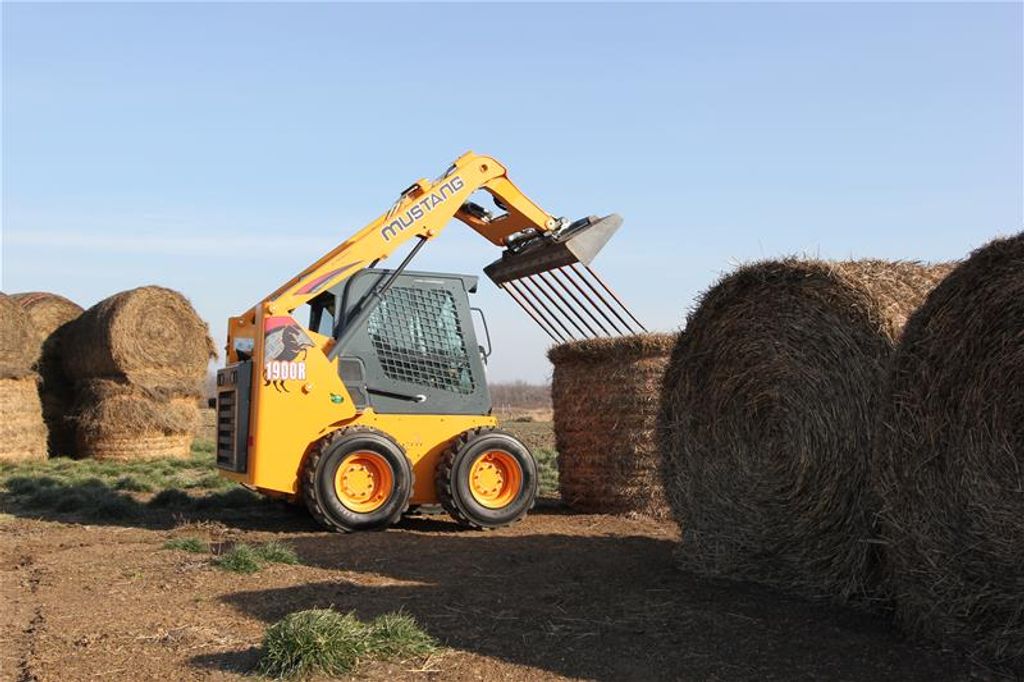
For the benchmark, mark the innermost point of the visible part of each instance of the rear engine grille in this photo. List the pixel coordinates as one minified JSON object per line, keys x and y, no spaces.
{"x":233,"y":385}
{"x":225,"y":427}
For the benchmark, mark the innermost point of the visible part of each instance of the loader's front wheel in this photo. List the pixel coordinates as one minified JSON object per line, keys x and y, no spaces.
{"x":487,"y":479}
{"x":357,"y":479}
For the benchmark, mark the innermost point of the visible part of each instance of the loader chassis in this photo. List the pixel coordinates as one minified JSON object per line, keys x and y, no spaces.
{"x":413,"y":370}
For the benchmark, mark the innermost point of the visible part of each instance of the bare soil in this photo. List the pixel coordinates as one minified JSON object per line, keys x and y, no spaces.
{"x":557,"y":596}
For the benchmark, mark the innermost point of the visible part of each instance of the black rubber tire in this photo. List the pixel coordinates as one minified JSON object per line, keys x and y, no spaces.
{"x":452,"y":479}
{"x":322,"y":464}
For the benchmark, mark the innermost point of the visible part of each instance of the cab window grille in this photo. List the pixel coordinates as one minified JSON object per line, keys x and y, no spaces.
{"x":417,"y":335}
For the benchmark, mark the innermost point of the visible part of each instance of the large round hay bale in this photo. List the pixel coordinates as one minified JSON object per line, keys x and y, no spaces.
{"x":22,"y":433}
{"x":150,"y":336}
{"x":605,"y":398}
{"x":19,"y":343}
{"x":768,"y":413}
{"x":950,"y":461}
{"x":123,"y":421}
{"x":47,"y":311}
{"x":50,"y":315}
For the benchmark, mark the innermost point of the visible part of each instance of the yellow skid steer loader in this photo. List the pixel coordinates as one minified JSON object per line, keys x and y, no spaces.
{"x":361,"y":390}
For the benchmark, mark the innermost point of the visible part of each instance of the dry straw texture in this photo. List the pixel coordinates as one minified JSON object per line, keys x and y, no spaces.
{"x":50,"y":315}
{"x":19,"y":343}
{"x":148,"y":336}
{"x":605,"y":398}
{"x":122,"y":421}
{"x":22,"y":433}
{"x":950,"y":466}
{"x":768,"y":413}
{"x":48,"y":312}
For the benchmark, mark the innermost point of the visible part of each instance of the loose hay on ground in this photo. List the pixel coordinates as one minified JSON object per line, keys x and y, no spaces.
{"x":768,"y":413}
{"x":605,"y":397}
{"x":50,"y":315}
{"x":150,"y":336}
{"x":122,"y":421}
{"x":950,"y":460}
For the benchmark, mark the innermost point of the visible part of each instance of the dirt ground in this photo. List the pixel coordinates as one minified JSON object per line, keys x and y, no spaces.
{"x":557,"y":596}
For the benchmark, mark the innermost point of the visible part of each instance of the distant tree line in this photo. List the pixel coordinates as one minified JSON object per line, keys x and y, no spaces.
{"x":520,"y":394}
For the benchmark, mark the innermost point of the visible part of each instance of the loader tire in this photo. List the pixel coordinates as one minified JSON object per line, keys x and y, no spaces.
{"x":487,"y":479}
{"x":357,"y":478}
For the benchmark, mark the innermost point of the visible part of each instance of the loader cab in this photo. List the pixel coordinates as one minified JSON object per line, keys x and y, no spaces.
{"x":417,"y":352}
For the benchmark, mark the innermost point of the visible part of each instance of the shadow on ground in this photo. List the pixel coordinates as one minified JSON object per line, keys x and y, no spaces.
{"x":600,"y":607}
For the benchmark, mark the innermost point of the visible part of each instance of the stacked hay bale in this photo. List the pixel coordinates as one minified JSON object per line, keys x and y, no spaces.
{"x":22,"y":432}
{"x":605,"y":398}
{"x":768,"y":416}
{"x":139,"y":359}
{"x":50,"y":315}
{"x":950,"y":460}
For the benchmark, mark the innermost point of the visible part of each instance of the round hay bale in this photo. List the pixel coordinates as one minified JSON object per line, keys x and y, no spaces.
{"x":50,"y":315}
{"x":123,"y":421}
{"x":605,"y":398}
{"x":768,"y":413}
{"x":22,"y":433}
{"x":19,"y":343}
{"x":47,"y":311}
{"x":950,"y":460}
{"x":150,"y":336}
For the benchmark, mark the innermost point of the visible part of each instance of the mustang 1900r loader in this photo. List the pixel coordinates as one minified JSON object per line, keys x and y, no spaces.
{"x":361,"y":391}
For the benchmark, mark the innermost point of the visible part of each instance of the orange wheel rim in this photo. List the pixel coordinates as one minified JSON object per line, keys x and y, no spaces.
{"x":495,"y":479}
{"x":364,"y":481}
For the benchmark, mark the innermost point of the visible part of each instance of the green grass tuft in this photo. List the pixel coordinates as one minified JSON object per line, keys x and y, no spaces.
{"x":398,"y":635}
{"x":244,"y":558}
{"x":188,"y":544}
{"x":326,"y":642}
{"x":276,"y":553}
{"x":241,"y":558}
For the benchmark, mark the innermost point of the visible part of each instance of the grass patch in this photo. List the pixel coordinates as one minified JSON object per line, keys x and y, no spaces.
{"x":547,"y":470}
{"x":244,"y":558}
{"x":326,"y":642}
{"x":276,"y":553}
{"x":188,"y":544}
{"x":241,"y":558}
{"x":105,"y":490}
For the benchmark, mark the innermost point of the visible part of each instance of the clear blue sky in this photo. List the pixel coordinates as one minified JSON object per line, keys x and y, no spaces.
{"x":217,"y":149}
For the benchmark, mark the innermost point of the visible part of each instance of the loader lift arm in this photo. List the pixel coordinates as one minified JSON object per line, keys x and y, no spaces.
{"x":423,"y":210}
{"x":529,"y":234}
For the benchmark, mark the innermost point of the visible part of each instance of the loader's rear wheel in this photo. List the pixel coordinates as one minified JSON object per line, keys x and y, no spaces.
{"x":357,"y":479}
{"x":487,"y":479}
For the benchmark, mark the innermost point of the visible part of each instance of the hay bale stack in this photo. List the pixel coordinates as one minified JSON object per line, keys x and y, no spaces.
{"x":22,"y":433}
{"x":50,"y":315}
{"x":768,"y":413}
{"x":149,"y":337}
{"x":605,"y":398}
{"x":950,"y":461}
{"x":139,"y":359}
{"x":118,"y":421}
